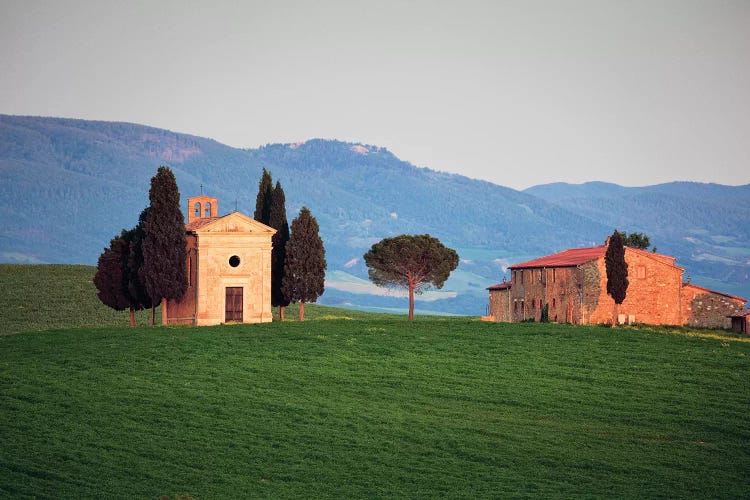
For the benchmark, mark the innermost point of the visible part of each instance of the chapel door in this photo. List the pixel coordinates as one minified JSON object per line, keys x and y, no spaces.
{"x":233,"y":311}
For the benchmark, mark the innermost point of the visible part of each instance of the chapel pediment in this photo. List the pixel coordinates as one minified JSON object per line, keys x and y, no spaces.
{"x":232,"y":223}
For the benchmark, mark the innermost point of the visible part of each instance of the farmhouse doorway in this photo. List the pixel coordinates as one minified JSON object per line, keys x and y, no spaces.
{"x":233,"y":310}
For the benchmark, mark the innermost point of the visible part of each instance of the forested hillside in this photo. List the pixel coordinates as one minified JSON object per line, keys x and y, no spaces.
{"x":67,"y":186}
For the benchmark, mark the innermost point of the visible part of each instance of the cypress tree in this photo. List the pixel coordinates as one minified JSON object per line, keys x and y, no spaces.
{"x":305,"y":266}
{"x":617,"y":271}
{"x":109,"y":278}
{"x":117,"y":274}
{"x":263,"y":199}
{"x":278,"y":221}
{"x":136,"y":289}
{"x":164,"y":272}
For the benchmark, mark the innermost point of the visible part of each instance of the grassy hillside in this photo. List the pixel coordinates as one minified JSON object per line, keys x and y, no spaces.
{"x":358,"y":405}
{"x":41,"y":297}
{"x":351,"y":409}
{"x":44,"y":297}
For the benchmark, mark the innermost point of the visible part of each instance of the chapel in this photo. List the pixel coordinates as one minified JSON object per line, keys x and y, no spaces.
{"x":228,"y":268}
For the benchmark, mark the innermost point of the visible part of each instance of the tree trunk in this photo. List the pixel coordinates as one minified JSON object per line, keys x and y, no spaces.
{"x":302,"y":311}
{"x":615,"y":315}
{"x":411,"y":300}
{"x":164,"y":312}
{"x":132,"y":317}
{"x":281,"y":313}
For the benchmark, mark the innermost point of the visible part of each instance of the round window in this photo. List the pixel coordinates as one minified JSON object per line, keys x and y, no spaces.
{"x":234,"y":261}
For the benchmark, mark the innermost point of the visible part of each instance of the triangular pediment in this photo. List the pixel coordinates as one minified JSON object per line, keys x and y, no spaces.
{"x":235,"y":223}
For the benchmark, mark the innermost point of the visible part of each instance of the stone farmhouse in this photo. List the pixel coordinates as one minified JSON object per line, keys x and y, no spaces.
{"x":228,"y":268}
{"x":573,"y":284}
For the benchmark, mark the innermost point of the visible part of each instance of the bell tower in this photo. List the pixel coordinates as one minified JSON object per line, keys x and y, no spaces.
{"x":202,"y":207}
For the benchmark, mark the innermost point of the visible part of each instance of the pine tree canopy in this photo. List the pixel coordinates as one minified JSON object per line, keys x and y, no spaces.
{"x":304,"y":270}
{"x":411,"y":262}
{"x":636,"y":240}
{"x":421,"y":259}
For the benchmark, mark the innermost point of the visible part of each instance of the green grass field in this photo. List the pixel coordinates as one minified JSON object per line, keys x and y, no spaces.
{"x":372,"y":406}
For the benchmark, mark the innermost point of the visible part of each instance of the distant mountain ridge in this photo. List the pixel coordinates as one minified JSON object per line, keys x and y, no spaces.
{"x":67,"y":186}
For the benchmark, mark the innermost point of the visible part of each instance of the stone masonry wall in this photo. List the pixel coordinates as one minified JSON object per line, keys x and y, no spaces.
{"x":557,"y":287}
{"x":653,"y":295}
{"x":499,"y":305}
{"x":183,"y":311}
{"x":707,"y":309}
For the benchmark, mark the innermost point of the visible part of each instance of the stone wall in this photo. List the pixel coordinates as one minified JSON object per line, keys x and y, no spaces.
{"x":183,"y":311}
{"x":558,"y":287}
{"x":708,"y":309}
{"x":216,"y":273}
{"x":653,"y":295}
{"x":500,"y":305}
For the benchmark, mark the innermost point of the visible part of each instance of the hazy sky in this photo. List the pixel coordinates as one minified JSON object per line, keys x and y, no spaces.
{"x":518,"y":93}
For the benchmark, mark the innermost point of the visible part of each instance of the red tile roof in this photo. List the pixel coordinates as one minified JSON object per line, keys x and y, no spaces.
{"x":691,"y":285}
{"x":567,"y":258}
{"x":199,"y":223}
{"x":505,"y":285}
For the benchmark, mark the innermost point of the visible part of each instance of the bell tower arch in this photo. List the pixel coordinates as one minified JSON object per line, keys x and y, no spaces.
{"x":202,"y":207}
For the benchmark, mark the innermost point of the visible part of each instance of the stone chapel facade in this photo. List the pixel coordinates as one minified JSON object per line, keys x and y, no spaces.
{"x":573,"y":285}
{"x":228,"y":268}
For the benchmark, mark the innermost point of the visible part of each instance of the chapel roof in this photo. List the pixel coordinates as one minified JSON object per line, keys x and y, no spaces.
{"x":199,"y":223}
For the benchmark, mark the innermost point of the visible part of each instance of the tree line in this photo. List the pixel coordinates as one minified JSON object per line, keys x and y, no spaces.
{"x":298,"y":259}
{"x":147,"y":264}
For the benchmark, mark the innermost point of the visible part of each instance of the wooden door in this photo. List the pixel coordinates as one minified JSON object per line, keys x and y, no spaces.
{"x":233,"y":310}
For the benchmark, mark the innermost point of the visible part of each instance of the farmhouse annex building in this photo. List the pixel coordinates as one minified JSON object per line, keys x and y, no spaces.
{"x":573,"y":285}
{"x":228,"y":268}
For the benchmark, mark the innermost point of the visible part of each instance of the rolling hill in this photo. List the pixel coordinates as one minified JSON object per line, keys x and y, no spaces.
{"x":67,"y":186}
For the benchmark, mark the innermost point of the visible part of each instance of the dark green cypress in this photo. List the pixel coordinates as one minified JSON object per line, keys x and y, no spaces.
{"x":278,"y":221}
{"x":305,"y":266}
{"x":164,"y":271}
{"x":136,"y":289}
{"x":109,"y":279}
{"x":617,"y":268}
{"x":263,"y":199}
